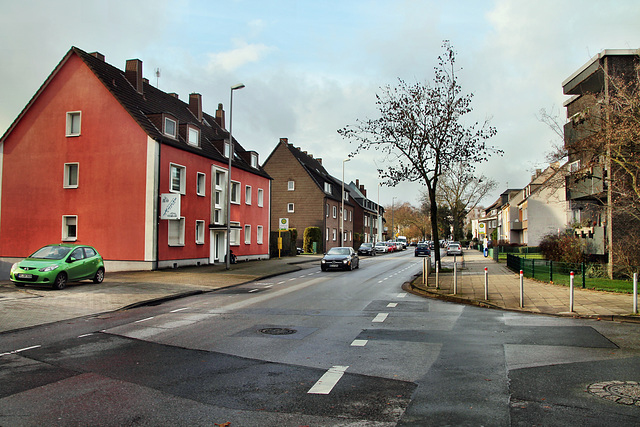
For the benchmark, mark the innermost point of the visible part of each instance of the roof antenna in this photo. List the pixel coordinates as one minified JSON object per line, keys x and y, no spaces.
{"x":157,"y":77}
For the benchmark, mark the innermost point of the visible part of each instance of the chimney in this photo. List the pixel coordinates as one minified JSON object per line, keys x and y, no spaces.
{"x":98,"y":55}
{"x":363,"y":191}
{"x":175,"y":95}
{"x":284,"y":140}
{"x":319,"y":159}
{"x":357,"y":183}
{"x":195,"y":105}
{"x":220,"y":116}
{"x":133,"y":73}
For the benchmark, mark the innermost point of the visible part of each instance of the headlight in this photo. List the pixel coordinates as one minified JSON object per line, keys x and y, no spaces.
{"x":48,"y":268}
{"x":14,"y":266}
{"x":346,"y":261}
{"x":323,"y":261}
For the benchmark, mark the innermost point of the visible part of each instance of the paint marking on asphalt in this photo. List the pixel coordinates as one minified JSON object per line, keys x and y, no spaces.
{"x":280,"y":283}
{"x":392,"y":305}
{"x":328,"y":381}
{"x":84,"y":335}
{"x":179,"y":309}
{"x":380,"y":281}
{"x":20,"y":350}
{"x":253,"y":290}
{"x":359,"y":343}
{"x":381,"y":317}
{"x":402,"y":295}
{"x":143,"y":320}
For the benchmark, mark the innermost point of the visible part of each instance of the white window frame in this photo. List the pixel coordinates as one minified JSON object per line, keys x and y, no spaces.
{"x":254,"y":160}
{"x":70,"y":131}
{"x":335,"y":234}
{"x":177,"y":239}
{"x":259,"y":235}
{"x":182,"y":178}
{"x":291,"y":185}
{"x":69,"y":221}
{"x":247,"y":194}
{"x":335,"y":211}
{"x":201,"y":184}
{"x":247,"y":234}
{"x":327,"y":234}
{"x":235,"y":192}
{"x":260,"y":197}
{"x":291,"y":207}
{"x":200,"y":227}
{"x":175,"y":127}
{"x":226,"y":149}
{"x":234,"y":238}
{"x":67,"y":175}
{"x":193,"y":136}
{"x":327,"y":187}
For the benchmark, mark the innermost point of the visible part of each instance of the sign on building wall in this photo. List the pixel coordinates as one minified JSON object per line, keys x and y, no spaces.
{"x":170,"y":206}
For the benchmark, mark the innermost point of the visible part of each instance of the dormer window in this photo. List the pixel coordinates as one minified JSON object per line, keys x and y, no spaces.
{"x":193,"y":136}
{"x":170,"y":127}
{"x":254,"y":160}
{"x":226,"y":149}
{"x":327,"y":187}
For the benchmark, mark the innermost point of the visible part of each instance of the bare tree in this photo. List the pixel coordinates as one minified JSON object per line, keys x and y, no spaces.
{"x":413,"y":222}
{"x":460,"y":191}
{"x":422,"y":133}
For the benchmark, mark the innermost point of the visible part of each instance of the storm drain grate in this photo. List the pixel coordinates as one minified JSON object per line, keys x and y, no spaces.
{"x":277,"y":331}
{"x":623,"y":392}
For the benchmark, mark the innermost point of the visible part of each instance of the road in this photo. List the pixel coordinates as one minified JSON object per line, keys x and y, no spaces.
{"x":319,"y":349}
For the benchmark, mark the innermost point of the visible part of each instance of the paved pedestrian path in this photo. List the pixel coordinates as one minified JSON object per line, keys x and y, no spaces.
{"x":539,"y":297}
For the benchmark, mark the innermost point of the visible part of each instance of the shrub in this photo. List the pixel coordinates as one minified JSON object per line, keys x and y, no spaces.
{"x":562,"y":248}
{"x":312,"y":234}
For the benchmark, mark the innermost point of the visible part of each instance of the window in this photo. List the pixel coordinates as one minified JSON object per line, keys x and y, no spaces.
{"x":290,"y":207}
{"x":199,"y":232}
{"x":235,"y":192}
{"x":247,"y":194}
{"x":335,"y":234}
{"x":327,"y":187}
{"x":176,"y":232}
{"x":177,"y":184}
{"x":69,"y":228}
{"x":260,"y":197}
{"x":219,"y":178}
{"x":346,"y":195}
{"x":193,"y":137}
{"x":335,"y":211}
{"x":170,"y":127}
{"x":217,"y":216}
{"x":247,"y":234}
{"x":226,"y":149}
{"x":291,"y":185}
{"x":70,"y":175}
{"x":201,"y":184}
{"x":327,"y":234}
{"x":73,"y":123}
{"x":254,"y":160}
{"x":234,"y":238}
{"x":259,"y":233}
{"x":350,"y":216}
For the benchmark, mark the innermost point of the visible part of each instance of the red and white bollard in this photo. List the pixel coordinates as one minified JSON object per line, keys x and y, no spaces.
{"x":521,"y":289}
{"x":571,"y":292}
{"x":486,"y":284}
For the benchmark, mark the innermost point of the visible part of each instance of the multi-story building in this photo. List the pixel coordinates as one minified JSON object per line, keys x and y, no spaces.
{"x":368,"y":215}
{"x":99,"y":156}
{"x":308,"y":196}
{"x":589,"y":184}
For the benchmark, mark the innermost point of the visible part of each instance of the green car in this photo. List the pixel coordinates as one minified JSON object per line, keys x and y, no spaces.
{"x":56,"y":265}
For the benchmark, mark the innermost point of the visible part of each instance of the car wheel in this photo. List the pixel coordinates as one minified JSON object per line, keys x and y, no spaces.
{"x":99,"y":277}
{"x":323,"y":269}
{"x":60,"y":282}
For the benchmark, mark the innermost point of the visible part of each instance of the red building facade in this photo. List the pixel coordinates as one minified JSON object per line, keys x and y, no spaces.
{"x":90,"y":156}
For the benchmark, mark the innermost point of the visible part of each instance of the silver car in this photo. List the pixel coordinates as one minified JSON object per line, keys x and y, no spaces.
{"x":454,"y":249}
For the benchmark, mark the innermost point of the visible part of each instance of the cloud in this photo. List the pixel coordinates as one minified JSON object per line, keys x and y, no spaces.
{"x":245,"y":53}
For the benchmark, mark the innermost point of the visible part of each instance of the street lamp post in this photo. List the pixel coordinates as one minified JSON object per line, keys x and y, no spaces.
{"x":228,"y":256}
{"x":342,"y":207}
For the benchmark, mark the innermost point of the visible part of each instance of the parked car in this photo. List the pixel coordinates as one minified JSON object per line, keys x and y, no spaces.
{"x":344,"y":258}
{"x":382,"y":247}
{"x":392,"y":246}
{"x":55,"y":265}
{"x":454,"y":249}
{"x":366,"y":249}
{"x":422,"y":250}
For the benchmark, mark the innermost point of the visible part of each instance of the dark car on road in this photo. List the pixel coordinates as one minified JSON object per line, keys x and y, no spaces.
{"x":367,"y":249}
{"x":343,"y":258}
{"x":422,"y":250}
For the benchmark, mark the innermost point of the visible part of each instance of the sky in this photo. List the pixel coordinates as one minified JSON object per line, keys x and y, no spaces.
{"x":313,"y":67}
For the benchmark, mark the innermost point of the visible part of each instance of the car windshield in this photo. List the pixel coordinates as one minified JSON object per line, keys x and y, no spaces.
{"x":51,"y":252}
{"x":454,"y":246}
{"x":365,"y":245}
{"x":338,"y":251}
{"x":422,"y":245}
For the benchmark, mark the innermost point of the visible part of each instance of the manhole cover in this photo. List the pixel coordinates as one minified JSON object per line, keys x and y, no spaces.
{"x":623,"y":392}
{"x":277,"y":331}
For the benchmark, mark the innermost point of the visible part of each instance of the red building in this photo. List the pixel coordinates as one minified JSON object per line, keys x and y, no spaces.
{"x":97,"y":149}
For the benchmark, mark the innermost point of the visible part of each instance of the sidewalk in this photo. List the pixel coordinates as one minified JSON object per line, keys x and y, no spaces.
{"x":31,"y":306}
{"x":539,"y":297}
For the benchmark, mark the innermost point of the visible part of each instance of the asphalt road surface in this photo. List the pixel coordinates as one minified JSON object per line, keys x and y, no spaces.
{"x":316,"y":348}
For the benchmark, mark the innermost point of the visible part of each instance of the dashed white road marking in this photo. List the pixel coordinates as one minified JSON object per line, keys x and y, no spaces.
{"x":179,"y":309}
{"x":20,"y":350}
{"x":359,"y":343}
{"x":84,"y":335}
{"x":402,"y":295}
{"x":392,"y":305}
{"x":143,"y":320}
{"x":328,"y":381}
{"x":253,"y":290}
{"x":381,"y":317}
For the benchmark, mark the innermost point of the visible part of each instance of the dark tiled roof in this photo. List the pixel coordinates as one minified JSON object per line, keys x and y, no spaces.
{"x":318,"y":173}
{"x":152,"y":102}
